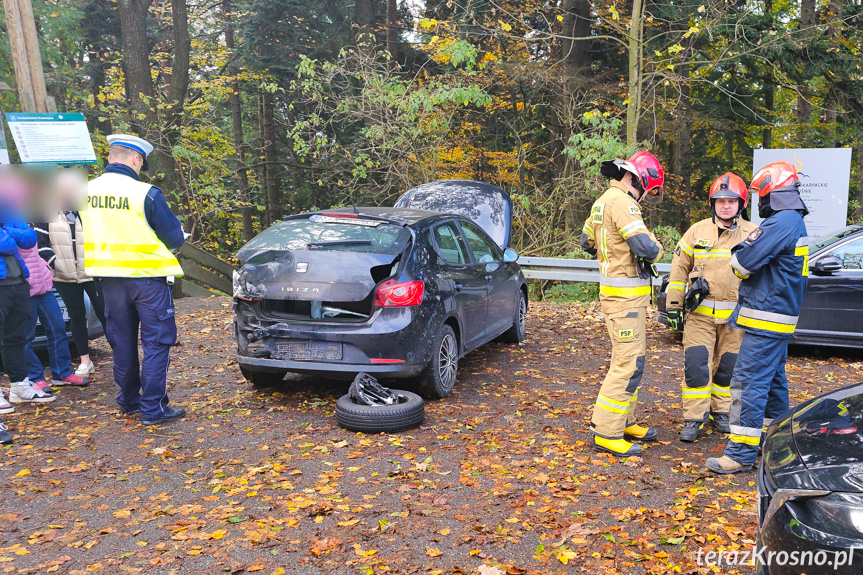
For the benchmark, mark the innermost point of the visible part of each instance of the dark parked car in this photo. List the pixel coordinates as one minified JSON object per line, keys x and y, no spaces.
{"x":832,"y":312}
{"x":395,"y":292}
{"x":810,"y":488}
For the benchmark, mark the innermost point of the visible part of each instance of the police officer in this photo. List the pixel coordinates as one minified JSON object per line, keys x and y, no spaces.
{"x":773,"y":262}
{"x":710,"y":345}
{"x":616,"y":234}
{"x":129,"y":231}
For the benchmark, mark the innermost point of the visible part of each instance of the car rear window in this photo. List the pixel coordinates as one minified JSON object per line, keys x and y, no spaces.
{"x":322,"y":232}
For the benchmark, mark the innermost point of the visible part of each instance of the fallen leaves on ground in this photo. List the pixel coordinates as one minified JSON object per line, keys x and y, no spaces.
{"x":499,"y":480}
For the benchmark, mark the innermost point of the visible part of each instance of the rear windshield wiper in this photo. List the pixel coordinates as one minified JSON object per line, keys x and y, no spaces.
{"x":339,"y":243}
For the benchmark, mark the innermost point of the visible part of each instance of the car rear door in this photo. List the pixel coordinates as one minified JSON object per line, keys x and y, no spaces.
{"x":502,"y":284}
{"x":466,"y":279}
{"x":834,"y":302}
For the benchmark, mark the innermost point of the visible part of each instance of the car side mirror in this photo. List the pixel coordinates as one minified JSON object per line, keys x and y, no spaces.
{"x":827,"y":265}
{"x":510,"y":255}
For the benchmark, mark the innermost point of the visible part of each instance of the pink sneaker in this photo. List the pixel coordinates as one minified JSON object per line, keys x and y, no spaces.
{"x":43,"y":385}
{"x":72,"y":380}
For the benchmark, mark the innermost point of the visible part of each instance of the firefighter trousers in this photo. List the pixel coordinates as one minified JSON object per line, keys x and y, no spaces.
{"x":759,"y":393}
{"x":616,"y":404}
{"x":709,"y":354}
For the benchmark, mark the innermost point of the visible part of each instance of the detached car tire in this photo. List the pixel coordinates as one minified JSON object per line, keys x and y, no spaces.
{"x":381,"y":418}
{"x":262,"y":379}
{"x":518,"y":331}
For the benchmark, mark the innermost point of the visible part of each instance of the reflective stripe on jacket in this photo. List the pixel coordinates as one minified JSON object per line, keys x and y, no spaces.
{"x":616,"y":233}
{"x":774,"y":264}
{"x":703,"y":251}
{"x":118,"y":240}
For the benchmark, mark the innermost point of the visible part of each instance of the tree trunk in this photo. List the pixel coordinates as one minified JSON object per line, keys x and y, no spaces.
{"x":237,"y":124}
{"x":804,"y":108}
{"x":767,"y":132}
{"x":633,"y":107}
{"x":136,"y":62}
{"x":365,"y":19}
{"x":19,"y":56}
{"x":268,"y":143}
{"x":576,"y":24}
{"x":392,"y":29}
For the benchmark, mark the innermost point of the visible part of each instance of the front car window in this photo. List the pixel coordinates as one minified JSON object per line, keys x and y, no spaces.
{"x":851,"y":255}
{"x":450,"y":244}
{"x":484,"y":250}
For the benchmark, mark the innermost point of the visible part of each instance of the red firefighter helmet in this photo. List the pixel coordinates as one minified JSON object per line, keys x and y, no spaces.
{"x":776,"y":177}
{"x":646,"y":171}
{"x":729,"y":185}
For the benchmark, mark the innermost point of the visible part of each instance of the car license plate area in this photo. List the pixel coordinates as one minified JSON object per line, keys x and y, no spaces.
{"x":309,"y":350}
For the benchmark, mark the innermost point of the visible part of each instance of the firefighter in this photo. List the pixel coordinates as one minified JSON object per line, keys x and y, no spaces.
{"x":626,"y":250}
{"x":773,"y":263}
{"x":702,"y":258}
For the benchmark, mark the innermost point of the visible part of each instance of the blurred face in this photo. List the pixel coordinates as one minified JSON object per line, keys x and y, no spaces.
{"x":71,"y":189}
{"x":726,"y":208}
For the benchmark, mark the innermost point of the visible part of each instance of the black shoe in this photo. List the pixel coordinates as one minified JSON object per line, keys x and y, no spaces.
{"x":5,"y":436}
{"x":692,"y":430}
{"x":132,"y":411}
{"x":171,"y":413}
{"x":721,"y":422}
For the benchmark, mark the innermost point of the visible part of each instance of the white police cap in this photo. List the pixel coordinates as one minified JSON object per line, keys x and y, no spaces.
{"x":134,"y":142}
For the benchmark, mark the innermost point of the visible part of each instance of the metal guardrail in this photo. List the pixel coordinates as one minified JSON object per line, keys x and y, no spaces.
{"x":570,"y":270}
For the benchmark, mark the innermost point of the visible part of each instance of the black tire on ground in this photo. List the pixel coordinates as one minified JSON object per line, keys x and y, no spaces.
{"x":438,"y":378}
{"x":381,"y":418}
{"x":518,"y":331}
{"x":262,"y":378}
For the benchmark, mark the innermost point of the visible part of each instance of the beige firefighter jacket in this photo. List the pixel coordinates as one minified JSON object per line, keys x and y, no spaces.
{"x":615,"y":232}
{"x":703,"y":251}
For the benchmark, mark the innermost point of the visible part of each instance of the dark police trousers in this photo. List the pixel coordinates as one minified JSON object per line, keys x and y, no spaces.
{"x":148,"y":302}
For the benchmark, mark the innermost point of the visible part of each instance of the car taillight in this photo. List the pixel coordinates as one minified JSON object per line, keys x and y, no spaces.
{"x":393,"y":294}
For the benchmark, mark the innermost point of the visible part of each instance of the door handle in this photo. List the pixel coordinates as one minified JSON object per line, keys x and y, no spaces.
{"x":458,"y":287}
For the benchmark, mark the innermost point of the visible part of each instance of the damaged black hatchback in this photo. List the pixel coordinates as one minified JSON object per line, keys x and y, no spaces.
{"x":394,"y":292}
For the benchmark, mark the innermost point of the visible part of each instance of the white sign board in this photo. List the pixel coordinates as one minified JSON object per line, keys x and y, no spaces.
{"x":60,"y":139}
{"x":4,"y":150}
{"x":825,"y":175}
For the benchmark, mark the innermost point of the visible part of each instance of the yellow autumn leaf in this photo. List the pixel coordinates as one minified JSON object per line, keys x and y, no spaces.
{"x":123,"y":514}
{"x":432,"y":552}
{"x":505,"y":27}
{"x":348,"y":523}
{"x":278,"y":571}
{"x":218,"y":534}
{"x":565,"y":555}
{"x":22,"y":473}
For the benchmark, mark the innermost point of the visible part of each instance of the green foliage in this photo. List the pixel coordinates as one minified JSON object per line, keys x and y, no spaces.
{"x":668,"y":237}
{"x":563,"y":292}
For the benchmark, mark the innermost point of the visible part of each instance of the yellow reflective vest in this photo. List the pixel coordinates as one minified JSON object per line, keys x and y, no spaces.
{"x":118,"y":242}
{"x":703,"y":251}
